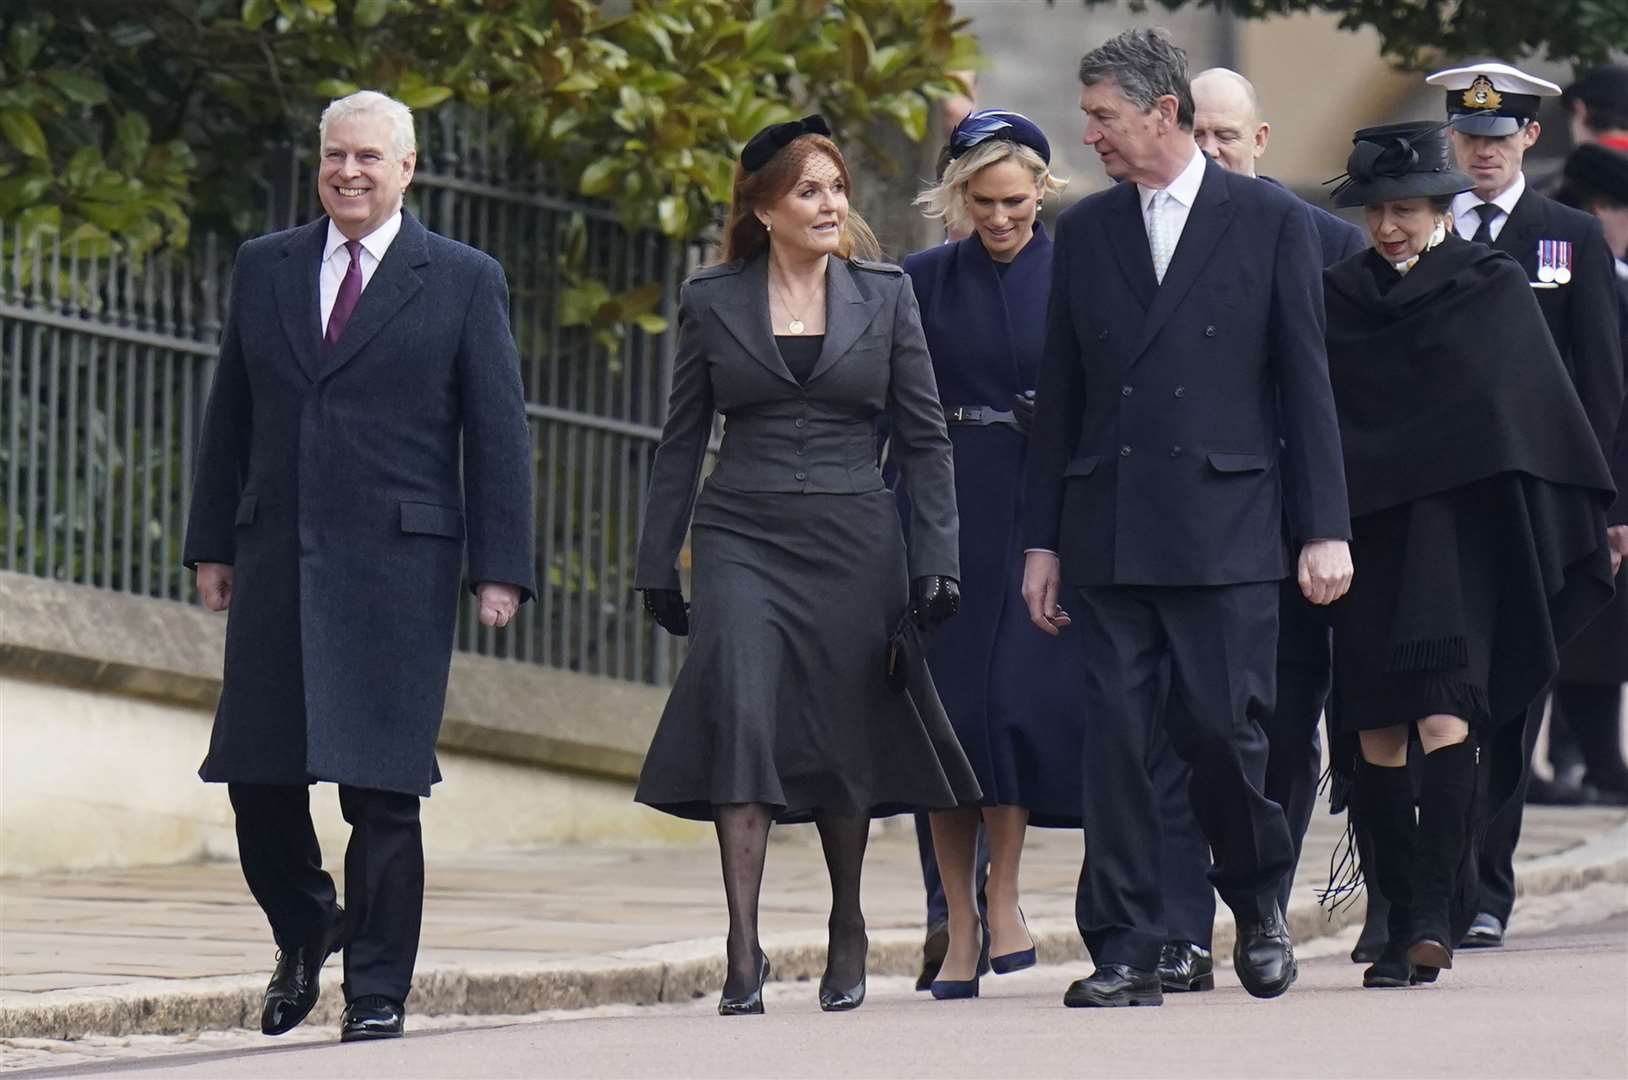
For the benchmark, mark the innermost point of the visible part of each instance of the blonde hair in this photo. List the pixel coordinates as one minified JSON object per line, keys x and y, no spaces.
{"x":947,"y":199}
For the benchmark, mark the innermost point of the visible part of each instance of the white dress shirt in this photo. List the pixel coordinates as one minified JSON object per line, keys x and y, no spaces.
{"x":1183,"y":191}
{"x":336,"y":260}
{"x":1466,"y":221}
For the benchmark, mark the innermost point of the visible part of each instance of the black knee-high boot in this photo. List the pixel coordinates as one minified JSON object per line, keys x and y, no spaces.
{"x":1383,"y":801}
{"x":1446,"y":799}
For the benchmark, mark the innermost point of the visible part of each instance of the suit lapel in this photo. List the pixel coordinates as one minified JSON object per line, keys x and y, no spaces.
{"x":299,"y":307}
{"x":847,"y":313}
{"x":1519,"y":236}
{"x":1128,"y":240}
{"x":395,"y":282}
{"x":1207,"y":221}
{"x":745,"y":314}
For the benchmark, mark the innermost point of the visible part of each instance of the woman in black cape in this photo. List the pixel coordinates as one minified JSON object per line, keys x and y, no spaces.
{"x":1477,"y":502}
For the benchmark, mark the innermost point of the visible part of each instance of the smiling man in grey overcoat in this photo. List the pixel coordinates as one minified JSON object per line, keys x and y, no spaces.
{"x":366,"y":425}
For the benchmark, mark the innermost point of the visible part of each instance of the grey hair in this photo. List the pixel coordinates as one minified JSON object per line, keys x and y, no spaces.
{"x":947,"y":198}
{"x":403,"y":139}
{"x":1147,"y":65}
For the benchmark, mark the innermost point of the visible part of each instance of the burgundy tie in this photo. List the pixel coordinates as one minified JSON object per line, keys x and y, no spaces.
{"x":350,"y":291}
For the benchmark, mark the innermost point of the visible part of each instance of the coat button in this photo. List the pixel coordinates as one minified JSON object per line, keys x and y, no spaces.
{"x":802,"y":476}
{"x":1175,"y":451}
{"x":1102,"y":335}
{"x":801,"y":422}
{"x":1181,"y":391}
{"x":1125,"y":391}
{"x":1124,"y":451}
{"x":799,"y":451}
{"x":1209,"y":331}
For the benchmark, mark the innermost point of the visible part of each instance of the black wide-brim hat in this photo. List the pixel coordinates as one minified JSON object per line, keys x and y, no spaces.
{"x":1599,"y":171}
{"x":1410,"y":160}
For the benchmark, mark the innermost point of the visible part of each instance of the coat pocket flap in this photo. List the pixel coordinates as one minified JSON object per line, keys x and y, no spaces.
{"x":245,"y":510}
{"x":433,"y":520}
{"x":1235,"y":463}
{"x":1084,"y":466}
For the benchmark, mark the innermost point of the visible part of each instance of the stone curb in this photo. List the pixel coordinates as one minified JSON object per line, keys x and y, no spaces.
{"x":679,"y":971}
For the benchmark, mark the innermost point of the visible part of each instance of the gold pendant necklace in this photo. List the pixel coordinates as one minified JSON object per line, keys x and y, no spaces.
{"x":795,"y":326}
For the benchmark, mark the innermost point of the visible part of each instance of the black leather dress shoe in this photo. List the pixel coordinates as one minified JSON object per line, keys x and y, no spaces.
{"x":1113,"y":985}
{"x":1485,"y":932}
{"x":1263,"y":956}
{"x":372,"y":1016}
{"x":1184,"y":966}
{"x":294,"y":986}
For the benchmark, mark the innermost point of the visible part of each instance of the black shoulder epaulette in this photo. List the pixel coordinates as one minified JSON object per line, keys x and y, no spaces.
{"x":877,"y":267}
{"x":717,"y":270}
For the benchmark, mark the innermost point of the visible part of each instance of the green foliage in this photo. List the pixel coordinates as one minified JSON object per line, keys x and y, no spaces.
{"x":124,"y":123}
{"x":1418,"y":34}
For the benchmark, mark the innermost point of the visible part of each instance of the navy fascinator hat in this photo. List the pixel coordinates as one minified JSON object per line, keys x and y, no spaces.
{"x":985,"y":124}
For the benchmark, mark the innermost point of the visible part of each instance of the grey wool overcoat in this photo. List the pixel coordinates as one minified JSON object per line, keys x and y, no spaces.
{"x":330,"y":478}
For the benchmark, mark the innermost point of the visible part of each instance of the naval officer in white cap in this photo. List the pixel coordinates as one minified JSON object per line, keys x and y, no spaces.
{"x":1493,"y":109}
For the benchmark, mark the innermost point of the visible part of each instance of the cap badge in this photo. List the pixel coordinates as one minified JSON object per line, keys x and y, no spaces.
{"x":1481,"y":95}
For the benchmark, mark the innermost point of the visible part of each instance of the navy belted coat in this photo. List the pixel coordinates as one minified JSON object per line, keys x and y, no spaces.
{"x":344,"y":485}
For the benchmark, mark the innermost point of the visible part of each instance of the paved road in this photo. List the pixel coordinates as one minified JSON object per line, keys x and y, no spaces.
{"x":1550,"y":1004}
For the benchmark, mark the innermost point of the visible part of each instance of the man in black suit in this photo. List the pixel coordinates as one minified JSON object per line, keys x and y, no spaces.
{"x":365,"y":425}
{"x":1184,"y":405}
{"x":1493,"y":108}
{"x":1230,"y":130}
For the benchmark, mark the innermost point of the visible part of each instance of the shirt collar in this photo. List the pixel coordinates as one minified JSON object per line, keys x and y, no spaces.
{"x":1184,"y":188}
{"x":376,"y":242}
{"x":1467,"y":201}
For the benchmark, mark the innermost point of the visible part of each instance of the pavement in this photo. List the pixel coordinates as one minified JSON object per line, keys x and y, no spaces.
{"x":183,"y":949}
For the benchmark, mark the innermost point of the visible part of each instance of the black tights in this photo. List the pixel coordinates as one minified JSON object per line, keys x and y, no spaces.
{"x":743,"y":840}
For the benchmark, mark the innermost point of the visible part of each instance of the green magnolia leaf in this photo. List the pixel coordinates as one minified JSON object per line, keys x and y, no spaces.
{"x":672,"y":215}
{"x":83,"y":167}
{"x":334,"y":88}
{"x":370,"y":13}
{"x":23,"y":45}
{"x":133,"y":134}
{"x":598,"y":177}
{"x":424,"y":97}
{"x":77,"y":88}
{"x":38,"y":222}
{"x":24,"y":133}
{"x":256,"y":12}
{"x":19,"y":191}
{"x":650,"y":324}
{"x":578,"y":82}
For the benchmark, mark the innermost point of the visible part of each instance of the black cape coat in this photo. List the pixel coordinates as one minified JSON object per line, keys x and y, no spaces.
{"x":1008,"y":688}
{"x":1447,"y":378}
{"x":330,"y":479}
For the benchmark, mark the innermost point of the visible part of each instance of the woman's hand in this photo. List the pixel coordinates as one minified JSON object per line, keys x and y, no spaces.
{"x":670,"y":611}
{"x":934,"y":598}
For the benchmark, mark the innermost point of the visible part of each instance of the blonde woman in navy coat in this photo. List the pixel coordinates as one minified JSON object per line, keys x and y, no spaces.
{"x":983,"y":304}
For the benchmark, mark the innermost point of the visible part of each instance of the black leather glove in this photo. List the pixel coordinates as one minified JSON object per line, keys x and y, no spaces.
{"x":1023,"y":410}
{"x":934,"y":598}
{"x":670,"y":611}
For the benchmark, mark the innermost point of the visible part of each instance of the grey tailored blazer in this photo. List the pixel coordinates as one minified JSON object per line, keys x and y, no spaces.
{"x":815,"y":437}
{"x":345,"y":485}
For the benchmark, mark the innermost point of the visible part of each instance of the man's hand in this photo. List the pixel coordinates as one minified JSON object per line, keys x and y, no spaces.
{"x":498,"y":603}
{"x":1617,"y":537}
{"x":1042,"y":577}
{"x":1325,"y":570}
{"x":215,"y":585}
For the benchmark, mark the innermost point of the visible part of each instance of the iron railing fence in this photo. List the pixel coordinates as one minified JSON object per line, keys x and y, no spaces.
{"x":106,"y":366}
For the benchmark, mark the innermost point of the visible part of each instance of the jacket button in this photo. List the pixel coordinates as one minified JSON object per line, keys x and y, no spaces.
{"x":1124,"y":451}
{"x":801,"y":422}
{"x":1209,"y":331}
{"x":1125,"y":391}
{"x":1181,"y":391}
{"x":802,"y":476}
{"x":1102,"y":335}
{"x":1175,"y":451}
{"x":799,"y":451}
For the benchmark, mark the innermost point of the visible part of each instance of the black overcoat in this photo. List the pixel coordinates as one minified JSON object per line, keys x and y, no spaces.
{"x":1155,"y":457}
{"x":1010,"y":690}
{"x":331,"y":481}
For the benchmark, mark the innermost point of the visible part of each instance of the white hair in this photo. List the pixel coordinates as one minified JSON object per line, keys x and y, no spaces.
{"x":947,"y":198}
{"x":403,"y":139}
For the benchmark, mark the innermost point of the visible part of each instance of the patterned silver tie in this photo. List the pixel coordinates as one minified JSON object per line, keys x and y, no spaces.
{"x":1161,"y":233}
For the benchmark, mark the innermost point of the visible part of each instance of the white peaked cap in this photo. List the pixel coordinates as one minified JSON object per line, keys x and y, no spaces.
{"x":1505,"y":79}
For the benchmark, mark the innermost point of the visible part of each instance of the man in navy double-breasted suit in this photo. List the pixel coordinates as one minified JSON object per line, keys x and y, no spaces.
{"x":365,"y":428}
{"x":1184,"y":416}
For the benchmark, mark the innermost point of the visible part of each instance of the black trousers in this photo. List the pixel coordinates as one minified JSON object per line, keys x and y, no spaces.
{"x":1293,"y":768}
{"x":1509,"y":768}
{"x":1201,"y":662}
{"x":384,"y":878}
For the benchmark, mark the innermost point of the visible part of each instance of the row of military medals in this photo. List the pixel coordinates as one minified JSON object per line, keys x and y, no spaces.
{"x":1554,"y":262}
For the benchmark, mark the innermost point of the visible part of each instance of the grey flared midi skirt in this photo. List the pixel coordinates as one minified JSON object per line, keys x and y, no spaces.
{"x":782,"y":698}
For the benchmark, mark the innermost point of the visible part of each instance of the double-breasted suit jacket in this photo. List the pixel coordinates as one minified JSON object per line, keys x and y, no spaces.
{"x":1156,"y":453}
{"x":330,"y":479}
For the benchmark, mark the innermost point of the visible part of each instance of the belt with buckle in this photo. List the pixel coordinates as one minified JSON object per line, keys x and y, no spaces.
{"x":980,"y":415}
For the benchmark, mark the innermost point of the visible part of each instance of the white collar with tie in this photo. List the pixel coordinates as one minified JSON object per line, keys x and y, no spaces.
{"x":336,"y":260}
{"x":1466,"y":219}
{"x":1166,"y":220}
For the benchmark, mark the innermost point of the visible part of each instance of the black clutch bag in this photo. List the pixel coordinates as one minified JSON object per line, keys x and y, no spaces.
{"x":902,"y":654}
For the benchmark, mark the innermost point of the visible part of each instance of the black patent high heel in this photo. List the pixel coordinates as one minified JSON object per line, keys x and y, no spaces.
{"x":747,"y":1004}
{"x":843,"y":1000}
